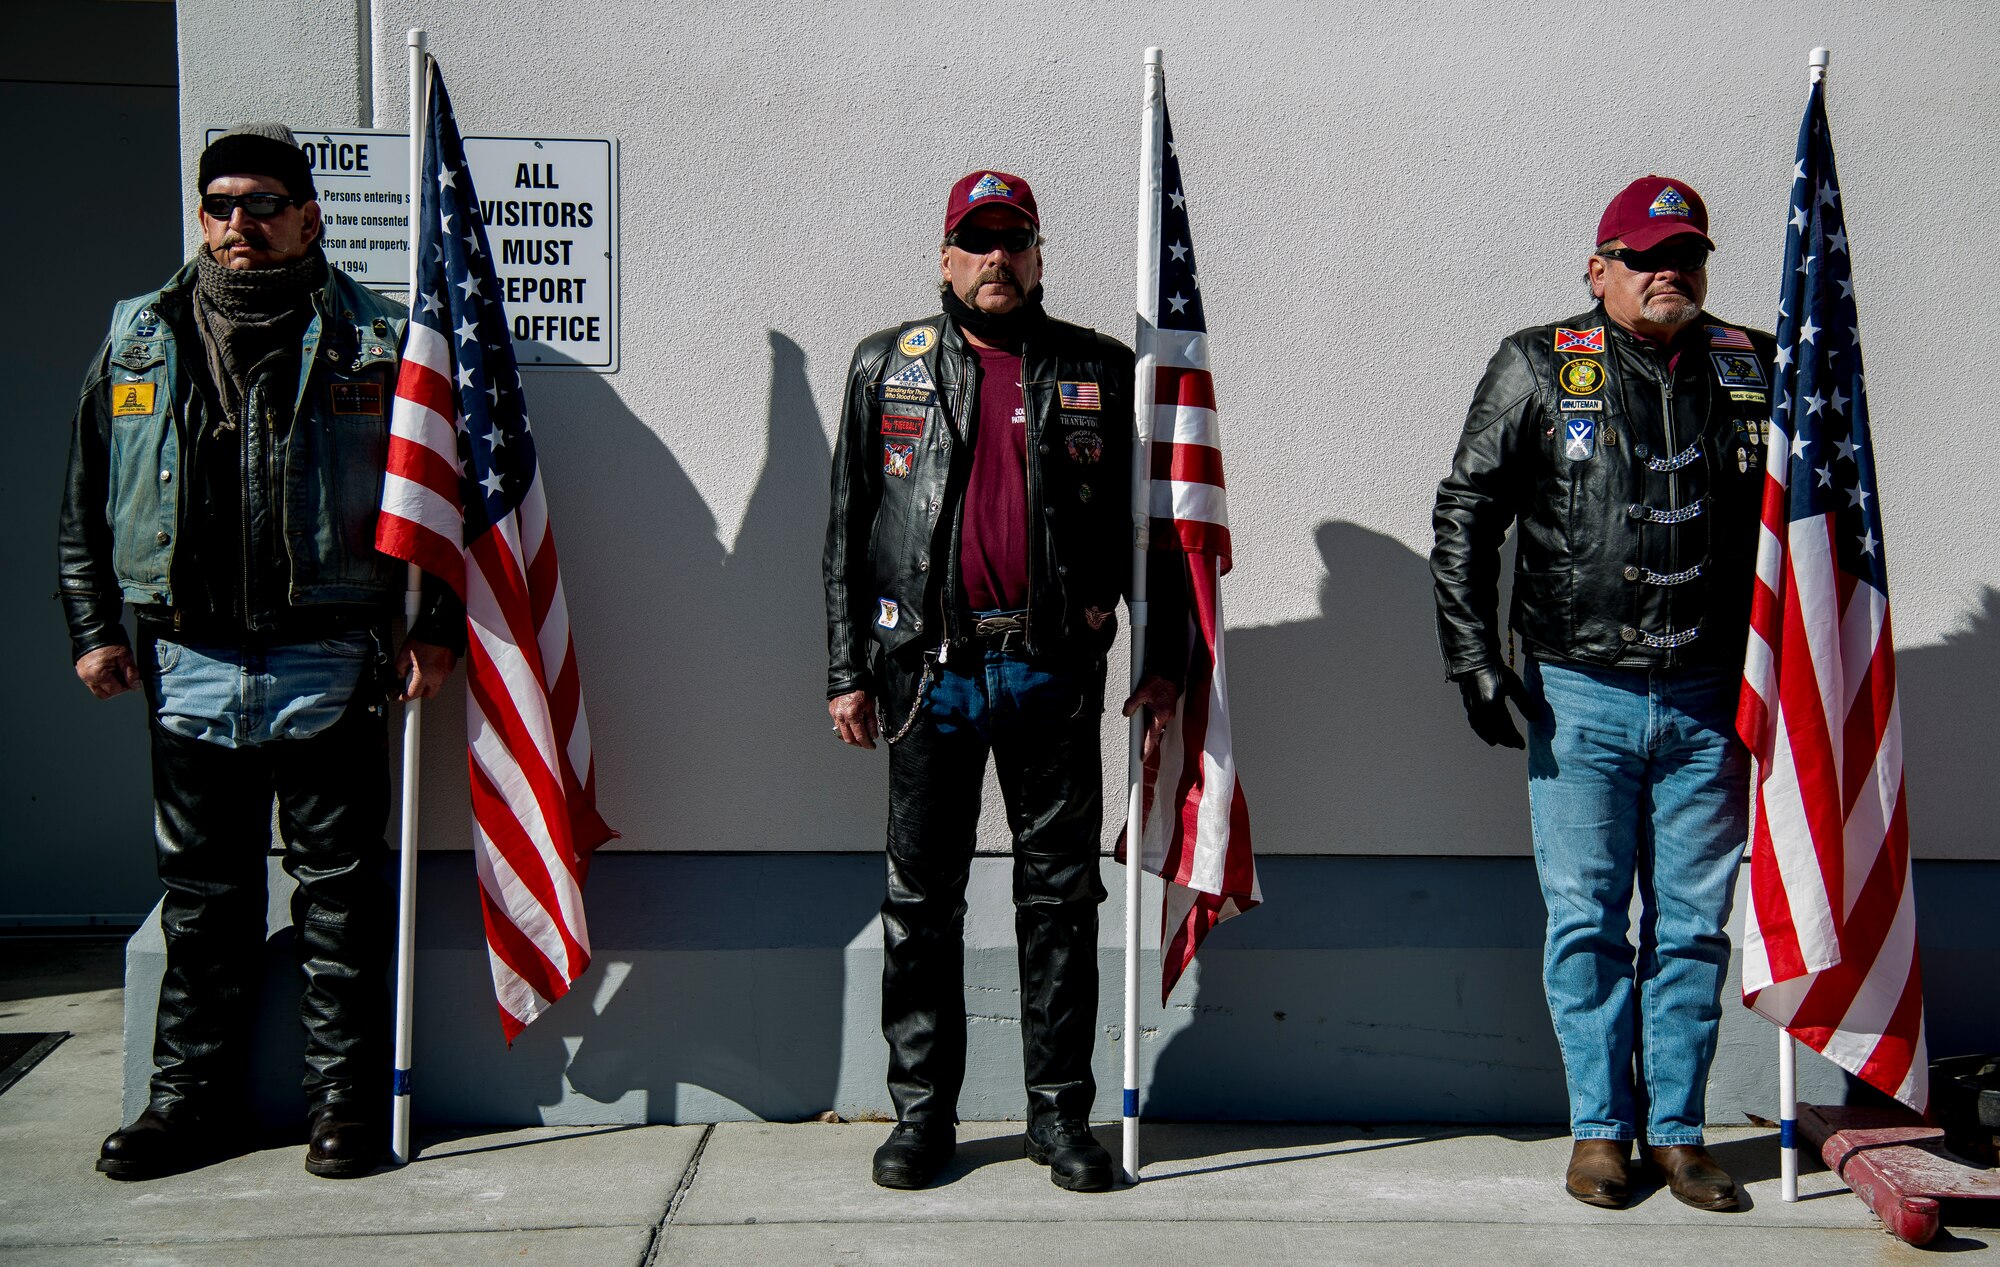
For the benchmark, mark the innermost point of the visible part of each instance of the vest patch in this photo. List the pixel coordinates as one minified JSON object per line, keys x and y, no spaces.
{"x":1078,"y":396}
{"x":1733,"y":369}
{"x":911,"y":385}
{"x":356,"y":399}
{"x":1568,"y":340}
{"x":902,"y":424}
{"x":132,"y":400}
{"x":1582,"y":378}
{"x":918,"y":341}
{"x":1579,"y":437}
{"x":896,"y":459}
{"x":886,"y":612}
{"x":1086,"y":447}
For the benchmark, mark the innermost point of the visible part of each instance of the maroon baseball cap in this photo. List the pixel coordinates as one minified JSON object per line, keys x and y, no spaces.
{"x":1652,"y":209}
{"x":989,"y":189}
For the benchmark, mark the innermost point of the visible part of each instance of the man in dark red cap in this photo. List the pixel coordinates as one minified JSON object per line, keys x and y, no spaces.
{"x":978,"y":542}
{"x":1627,"y":444}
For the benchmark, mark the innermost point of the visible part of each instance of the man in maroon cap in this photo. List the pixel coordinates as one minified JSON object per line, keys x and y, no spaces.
{"x":1627,"y":444}
{"x":978,"y":542}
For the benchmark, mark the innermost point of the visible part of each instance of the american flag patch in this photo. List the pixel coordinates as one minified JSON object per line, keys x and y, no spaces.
{"x":1568,"y":340}
{"x":1079,"y":395}
{"x":1724,"y":337}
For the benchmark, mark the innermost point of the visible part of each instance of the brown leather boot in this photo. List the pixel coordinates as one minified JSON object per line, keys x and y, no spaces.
{"x":1691,"y":1175}
{"x":1597,"y":1172}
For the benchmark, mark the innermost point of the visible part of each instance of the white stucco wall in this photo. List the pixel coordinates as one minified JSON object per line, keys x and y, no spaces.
{"x":1378,"y":196}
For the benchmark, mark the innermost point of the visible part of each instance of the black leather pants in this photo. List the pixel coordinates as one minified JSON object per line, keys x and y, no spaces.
{"x":1044,"y":742}
{"x":212,"y":814}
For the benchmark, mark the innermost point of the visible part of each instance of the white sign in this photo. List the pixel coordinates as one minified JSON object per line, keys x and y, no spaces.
{"x":550,"y":208}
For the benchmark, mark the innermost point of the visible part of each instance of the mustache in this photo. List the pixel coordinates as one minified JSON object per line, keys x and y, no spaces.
{"x":998,"y":273}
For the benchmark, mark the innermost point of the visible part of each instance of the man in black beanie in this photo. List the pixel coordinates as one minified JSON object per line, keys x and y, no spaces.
{"x":225,"y":472}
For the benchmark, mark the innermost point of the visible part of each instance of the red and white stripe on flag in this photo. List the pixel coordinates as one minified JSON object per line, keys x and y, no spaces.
{"x":532,"y":776}
{"x":1196,"y":833}
{"x":1830,"y":945}
{"x":1830,"y":949}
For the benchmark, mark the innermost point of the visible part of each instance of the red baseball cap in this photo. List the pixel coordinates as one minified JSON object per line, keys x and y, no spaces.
{"x":989,"y":189}
{"x":1652,"y":209}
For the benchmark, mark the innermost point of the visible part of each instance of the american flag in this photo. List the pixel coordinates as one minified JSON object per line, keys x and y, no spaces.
{"x":1831,"y":948}
{"x":1196,"y":832}
{"x":463,"y":501}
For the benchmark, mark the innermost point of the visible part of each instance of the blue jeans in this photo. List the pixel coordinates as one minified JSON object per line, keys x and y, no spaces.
{"x":1636,"y":776}
{"x":243,"y":697}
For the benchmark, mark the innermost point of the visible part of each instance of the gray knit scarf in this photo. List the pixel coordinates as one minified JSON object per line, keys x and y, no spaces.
{"x":247,"y":316}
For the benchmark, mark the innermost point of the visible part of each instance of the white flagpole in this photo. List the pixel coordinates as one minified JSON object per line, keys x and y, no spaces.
{"x":1788,"y":1051}
{"x":406,"y":902}
{"x":1788,"y":1116}
{"x":1147,"y":297}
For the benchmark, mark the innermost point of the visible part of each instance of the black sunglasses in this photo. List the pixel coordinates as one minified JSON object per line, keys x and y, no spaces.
{"x":977,"y":241}
{"x":262,"y":206}
{"x":1685,"y":258}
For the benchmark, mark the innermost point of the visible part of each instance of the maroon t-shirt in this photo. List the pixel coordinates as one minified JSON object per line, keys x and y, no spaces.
{"x":993,"y":540}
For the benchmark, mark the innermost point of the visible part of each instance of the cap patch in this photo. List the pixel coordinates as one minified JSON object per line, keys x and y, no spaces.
{"x":1670,"y":203}
{"x":989,"y":186}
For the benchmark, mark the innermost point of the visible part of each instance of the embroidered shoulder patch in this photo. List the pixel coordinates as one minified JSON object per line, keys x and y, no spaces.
{"x":1568,"y":340}
{"x":131,"y":400}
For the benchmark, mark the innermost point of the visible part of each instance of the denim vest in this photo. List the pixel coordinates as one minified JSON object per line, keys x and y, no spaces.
{"x":325,"y":441}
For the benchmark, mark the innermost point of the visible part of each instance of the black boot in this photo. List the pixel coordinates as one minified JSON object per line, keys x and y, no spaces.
{"x":159,"y":1143}
{"x":1074,"y":1157}
{"x":344,"y":1141}
{"x":914,"y":1154}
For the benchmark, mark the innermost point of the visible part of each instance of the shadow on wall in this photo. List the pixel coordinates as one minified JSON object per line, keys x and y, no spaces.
{"x":707,"y":677}
{"x":706,"y":686}
{"x":1950,"y":694}
{"x":1349,"y":737}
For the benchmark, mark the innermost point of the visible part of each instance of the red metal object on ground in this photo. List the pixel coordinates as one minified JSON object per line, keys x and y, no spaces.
{"x":1897,"y":1164}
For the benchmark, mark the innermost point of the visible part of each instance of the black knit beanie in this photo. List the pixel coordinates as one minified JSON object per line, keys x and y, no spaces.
{"x":258,"y":149}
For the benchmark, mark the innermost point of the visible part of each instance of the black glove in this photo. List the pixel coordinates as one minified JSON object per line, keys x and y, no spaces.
{"x":1486,"y":692}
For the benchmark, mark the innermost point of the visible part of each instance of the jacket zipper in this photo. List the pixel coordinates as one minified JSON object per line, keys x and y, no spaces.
{"x":1028,"y":443}
{"x":244,"y":461}
{"x":1673,"y":494}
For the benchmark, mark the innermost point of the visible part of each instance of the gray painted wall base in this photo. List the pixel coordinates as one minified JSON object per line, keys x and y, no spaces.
{"x":746,"y":987}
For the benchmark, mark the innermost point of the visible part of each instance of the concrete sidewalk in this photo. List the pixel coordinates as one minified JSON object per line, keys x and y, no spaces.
{"x":753,"y":1192}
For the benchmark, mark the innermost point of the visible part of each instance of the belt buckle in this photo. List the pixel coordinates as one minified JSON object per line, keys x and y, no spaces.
{"x":999,"y":632}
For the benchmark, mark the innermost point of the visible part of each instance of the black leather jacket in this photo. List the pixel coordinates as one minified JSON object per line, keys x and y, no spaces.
{"x":1636,"y":489}
{"x":907,"y":424}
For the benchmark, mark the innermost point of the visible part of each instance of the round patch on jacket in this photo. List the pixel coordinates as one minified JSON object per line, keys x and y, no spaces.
{"x":918,"y":341}
{"x":1582,"y":378}
{"x":1086,"y":448}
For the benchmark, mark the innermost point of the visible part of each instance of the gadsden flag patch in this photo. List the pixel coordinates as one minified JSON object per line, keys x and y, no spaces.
{"x":132,"y":399}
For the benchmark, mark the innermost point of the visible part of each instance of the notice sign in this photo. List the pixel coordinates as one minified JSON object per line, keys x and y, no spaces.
{"x":550,"y":208}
